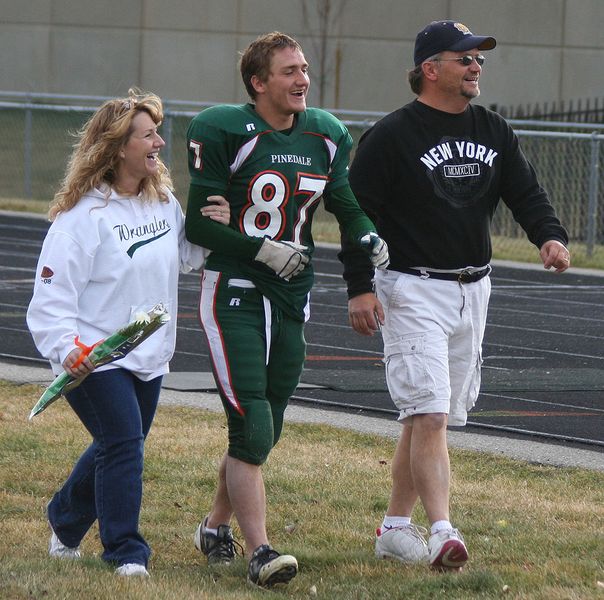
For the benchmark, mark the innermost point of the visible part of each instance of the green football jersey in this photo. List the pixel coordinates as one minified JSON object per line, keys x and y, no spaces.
{"x":273,"y":182}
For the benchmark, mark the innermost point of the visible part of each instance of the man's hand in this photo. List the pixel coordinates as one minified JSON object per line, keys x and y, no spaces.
{"x":285,"y":258}
{"x":365,"y":313}
{"x":377,"y":249}
{"x":554,"y":254}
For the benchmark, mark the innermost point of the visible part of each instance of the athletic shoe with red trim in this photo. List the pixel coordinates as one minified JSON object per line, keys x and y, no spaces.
{"x":447,"y":550}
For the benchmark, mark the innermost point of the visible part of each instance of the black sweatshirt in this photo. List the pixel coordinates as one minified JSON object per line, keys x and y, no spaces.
{"x":431,"y":181}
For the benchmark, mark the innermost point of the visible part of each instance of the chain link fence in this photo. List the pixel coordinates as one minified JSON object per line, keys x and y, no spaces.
{"x":37,"y":138}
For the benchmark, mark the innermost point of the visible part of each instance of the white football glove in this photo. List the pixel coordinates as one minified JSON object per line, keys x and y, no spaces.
{"x":285,"y":258}
{"x":377,"y":248}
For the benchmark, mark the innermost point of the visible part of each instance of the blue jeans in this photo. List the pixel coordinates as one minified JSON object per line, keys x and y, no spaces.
{"x":106,"y":483}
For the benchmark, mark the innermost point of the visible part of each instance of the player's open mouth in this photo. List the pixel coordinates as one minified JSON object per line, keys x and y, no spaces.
{"x":299,"y":93}
{"x":152,"y":156}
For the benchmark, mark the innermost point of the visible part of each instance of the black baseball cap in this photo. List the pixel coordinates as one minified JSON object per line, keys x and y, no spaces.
{"x":439,"y":36}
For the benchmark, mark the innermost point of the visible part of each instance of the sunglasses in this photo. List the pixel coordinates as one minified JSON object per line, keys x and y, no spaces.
{"x":465,"y":60}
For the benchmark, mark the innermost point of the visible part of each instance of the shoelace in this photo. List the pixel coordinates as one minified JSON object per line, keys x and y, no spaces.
{"x":454,"y":534}
{"x":266,"y":554}
{"x":417,"y":531}
{"x":227,"y":548}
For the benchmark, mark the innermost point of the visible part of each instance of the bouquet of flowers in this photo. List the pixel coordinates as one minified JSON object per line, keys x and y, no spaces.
{"x":115,"y":347}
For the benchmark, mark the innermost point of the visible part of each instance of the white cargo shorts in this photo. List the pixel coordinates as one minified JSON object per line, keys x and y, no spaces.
{"x":433,"y":334}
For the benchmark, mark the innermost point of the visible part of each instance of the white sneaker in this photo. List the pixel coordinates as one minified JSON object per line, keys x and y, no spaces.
{"x":132,"y":570}
{"x":57,"y":549}
{"x":447,"y":550}
{"x":406,"y":543}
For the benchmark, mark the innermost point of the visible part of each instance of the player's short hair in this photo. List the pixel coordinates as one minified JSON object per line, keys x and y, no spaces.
{"x":96,"y":154}
{"x":256,"y":59}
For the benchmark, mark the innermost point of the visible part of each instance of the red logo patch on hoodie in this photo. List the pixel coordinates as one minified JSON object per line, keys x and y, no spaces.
{"x":46,"y":274}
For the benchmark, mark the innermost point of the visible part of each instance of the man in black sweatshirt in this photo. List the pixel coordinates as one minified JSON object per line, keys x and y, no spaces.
{"x":430,"y":176}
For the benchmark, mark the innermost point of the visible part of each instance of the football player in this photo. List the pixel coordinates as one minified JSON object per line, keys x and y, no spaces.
{"x":273,"y":159}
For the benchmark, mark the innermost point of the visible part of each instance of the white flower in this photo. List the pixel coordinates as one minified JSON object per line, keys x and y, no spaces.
{"x":142,"y":317}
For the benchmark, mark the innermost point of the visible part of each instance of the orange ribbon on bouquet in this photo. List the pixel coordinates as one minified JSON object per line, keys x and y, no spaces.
{"x":86,"y":350}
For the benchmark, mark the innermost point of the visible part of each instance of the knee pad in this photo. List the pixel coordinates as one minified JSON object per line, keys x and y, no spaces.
{"x":251,"y":436}
{"x":254,"y":453}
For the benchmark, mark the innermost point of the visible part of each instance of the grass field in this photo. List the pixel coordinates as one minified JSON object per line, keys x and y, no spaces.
{"x":533,"y":532}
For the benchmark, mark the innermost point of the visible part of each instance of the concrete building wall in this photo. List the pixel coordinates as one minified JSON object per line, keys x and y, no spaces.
{"x":548,"y":50}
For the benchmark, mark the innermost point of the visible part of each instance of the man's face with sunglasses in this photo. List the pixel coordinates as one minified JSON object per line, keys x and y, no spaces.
{"x":461,"y":69}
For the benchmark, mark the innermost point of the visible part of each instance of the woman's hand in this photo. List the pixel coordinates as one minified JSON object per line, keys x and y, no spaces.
{"x":219,"y":210}
{"x":76,"y":365}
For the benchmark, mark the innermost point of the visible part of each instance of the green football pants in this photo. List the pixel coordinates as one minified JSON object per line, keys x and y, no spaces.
{"x":257,"y":357}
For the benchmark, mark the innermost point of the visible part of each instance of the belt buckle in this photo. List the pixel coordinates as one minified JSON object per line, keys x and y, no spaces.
{"x":465,"y":277}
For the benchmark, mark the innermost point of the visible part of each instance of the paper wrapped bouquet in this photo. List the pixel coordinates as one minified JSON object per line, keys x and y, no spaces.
{"x":113,"y":348}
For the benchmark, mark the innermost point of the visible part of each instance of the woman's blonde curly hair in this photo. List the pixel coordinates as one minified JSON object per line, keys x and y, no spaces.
{"x":95,"y":155}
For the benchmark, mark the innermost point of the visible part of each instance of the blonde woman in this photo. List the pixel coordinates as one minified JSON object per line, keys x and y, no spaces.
{"x":115,"y":248}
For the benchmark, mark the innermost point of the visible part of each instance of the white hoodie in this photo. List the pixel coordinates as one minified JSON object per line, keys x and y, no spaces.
{"x":100,"y":264}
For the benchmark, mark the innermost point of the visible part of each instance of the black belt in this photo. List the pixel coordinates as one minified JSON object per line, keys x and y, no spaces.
{"x":463,"y":277}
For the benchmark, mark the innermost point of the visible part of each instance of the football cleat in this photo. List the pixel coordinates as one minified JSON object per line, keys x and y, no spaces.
{"x":219,"y":548}
{"x":267,"y":567}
